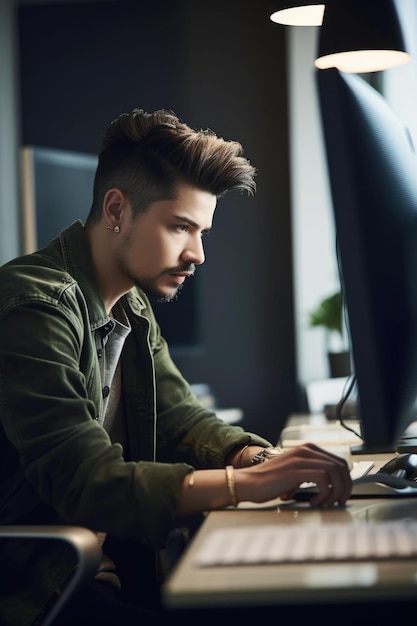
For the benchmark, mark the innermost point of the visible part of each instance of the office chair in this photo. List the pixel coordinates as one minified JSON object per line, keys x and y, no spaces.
{"x":83,"y":542}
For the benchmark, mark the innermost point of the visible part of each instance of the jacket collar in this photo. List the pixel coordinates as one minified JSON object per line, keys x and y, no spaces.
{"x":78,"y":262}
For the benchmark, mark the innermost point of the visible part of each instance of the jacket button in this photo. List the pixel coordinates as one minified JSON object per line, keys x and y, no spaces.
{"x":106,"y":391}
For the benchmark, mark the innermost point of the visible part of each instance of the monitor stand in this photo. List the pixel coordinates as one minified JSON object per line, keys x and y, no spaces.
{"x":408,"y":441}
{"x":362,"y":448}
{"x":406,"y":445}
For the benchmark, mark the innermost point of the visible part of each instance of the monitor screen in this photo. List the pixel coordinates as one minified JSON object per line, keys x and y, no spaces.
{"x":373,"y":179}
{"x":57,"y":189}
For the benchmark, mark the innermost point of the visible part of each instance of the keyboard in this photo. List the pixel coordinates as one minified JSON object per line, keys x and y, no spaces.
{"x":304,"y":543}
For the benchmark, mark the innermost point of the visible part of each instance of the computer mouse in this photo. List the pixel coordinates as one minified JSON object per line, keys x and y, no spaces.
{"x":403,"y":466}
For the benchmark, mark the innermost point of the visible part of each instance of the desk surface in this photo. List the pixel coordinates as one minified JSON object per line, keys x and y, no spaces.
{"x":191,"y":586}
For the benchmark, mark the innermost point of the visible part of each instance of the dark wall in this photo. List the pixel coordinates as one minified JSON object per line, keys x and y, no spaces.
{"x":220,"y":65}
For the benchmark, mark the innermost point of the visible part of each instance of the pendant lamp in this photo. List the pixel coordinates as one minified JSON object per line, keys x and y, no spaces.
{"x":301,"y":13}
{"x":361,"y":36}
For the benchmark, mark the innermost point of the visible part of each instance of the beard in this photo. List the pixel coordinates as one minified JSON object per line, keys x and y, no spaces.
{"x":149,"y":284}
{"x":171,"y":297}
{"x":151,"y":289}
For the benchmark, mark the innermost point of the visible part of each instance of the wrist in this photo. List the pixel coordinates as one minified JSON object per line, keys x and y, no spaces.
{"x":246,"y":455}
{"x":265,"y":454}
{"x":231,"y":485}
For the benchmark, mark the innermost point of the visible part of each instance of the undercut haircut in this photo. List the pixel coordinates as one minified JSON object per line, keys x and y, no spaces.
{"x":148,"y":155}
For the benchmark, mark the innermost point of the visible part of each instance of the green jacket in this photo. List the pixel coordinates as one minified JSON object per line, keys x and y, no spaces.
{"x":55,"y":457}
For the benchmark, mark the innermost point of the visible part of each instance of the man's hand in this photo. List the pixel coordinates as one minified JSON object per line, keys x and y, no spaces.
{"x":282,"y":475}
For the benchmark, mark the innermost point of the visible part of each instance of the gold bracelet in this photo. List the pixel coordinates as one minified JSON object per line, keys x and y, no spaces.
{"x":241,"y":454}
{"x":230,"y":479}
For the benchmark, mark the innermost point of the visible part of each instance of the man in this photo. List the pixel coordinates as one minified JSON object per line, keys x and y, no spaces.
{"x":99,"y":428}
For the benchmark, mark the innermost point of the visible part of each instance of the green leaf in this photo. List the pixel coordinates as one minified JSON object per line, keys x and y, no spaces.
{"x":329,"y":313}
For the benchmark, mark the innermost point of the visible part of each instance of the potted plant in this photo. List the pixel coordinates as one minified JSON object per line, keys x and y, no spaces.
{"x":329,"y":315}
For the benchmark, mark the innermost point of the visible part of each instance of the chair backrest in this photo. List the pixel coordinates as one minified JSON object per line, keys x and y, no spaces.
{"x":87,"y":553}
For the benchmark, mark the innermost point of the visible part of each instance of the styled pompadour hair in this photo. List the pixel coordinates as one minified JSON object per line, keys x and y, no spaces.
{"x":147,"y":155}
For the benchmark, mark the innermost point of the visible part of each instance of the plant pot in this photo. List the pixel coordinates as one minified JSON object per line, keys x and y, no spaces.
{"x":339,"y":364}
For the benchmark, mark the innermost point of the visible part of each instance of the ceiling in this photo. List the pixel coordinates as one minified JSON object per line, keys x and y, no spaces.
{"x":58,"y":1}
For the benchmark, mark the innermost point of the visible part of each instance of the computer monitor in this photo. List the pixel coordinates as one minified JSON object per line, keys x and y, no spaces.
{"x":57,"y":189}
{"x":372,"y":168}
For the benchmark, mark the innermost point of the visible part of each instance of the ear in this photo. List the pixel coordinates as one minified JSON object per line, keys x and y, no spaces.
{"x":114,"y":206}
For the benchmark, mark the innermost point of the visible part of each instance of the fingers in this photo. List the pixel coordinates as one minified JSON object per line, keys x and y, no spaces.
{"x":312,"y":464}
{"x":331,"y":475}
{"x":330,"y":493}
{"x":338,"y":486}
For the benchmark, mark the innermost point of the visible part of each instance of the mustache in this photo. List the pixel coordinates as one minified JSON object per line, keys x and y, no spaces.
{"x":188,"y":267}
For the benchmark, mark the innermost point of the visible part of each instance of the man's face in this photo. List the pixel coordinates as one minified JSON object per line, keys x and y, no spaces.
{"x":162,"y":246}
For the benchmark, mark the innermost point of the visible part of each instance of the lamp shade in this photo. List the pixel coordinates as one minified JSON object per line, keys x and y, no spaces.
{"x":361,"y":36}
{"x":297,"y":13}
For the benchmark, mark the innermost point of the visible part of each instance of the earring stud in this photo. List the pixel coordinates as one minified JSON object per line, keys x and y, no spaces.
{"x":116,"y":229}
